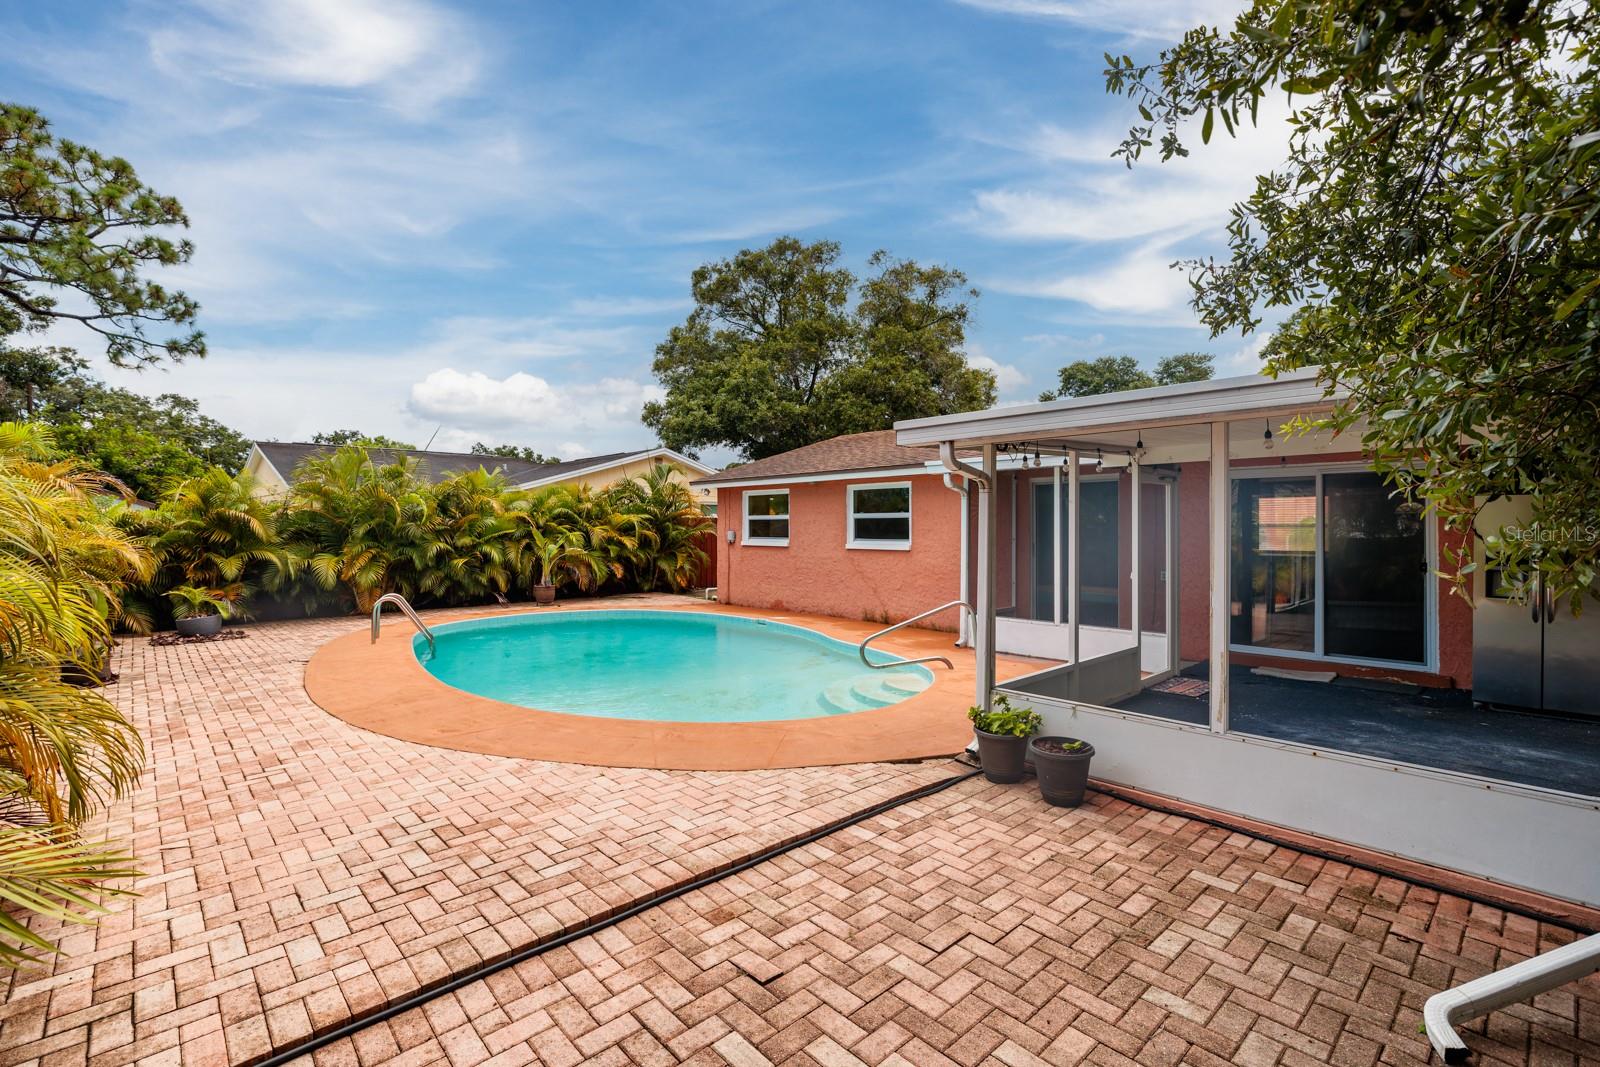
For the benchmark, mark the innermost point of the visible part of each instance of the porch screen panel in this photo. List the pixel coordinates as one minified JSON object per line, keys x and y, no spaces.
{"x":1375,"y":571}
{"x":1099,"y":515}
{"x":1153,"y":557}
{"x":1042,"y":602}
{"x":1275,"y":563}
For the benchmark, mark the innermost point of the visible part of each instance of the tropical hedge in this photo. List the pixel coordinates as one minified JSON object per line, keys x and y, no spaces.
{"x":351,"y":530}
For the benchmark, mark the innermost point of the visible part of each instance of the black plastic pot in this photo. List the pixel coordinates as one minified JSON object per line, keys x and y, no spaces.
{"x":1063,"y":776}
{"x":200,"y":625}
{"x":1002,"y":756}
{"x":544,"y":594}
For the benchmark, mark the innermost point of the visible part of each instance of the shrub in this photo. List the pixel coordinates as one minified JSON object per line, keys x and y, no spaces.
{"x":1003,"y":718}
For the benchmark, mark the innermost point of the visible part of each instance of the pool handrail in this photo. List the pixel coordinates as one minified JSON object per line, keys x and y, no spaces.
{"x":400,"y":602}
{"x":862,"y":647}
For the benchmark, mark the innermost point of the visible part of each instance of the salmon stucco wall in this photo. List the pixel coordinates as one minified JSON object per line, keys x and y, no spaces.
{"x":817,"y":573}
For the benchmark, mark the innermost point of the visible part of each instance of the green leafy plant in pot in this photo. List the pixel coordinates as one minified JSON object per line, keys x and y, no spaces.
{"x":1062,"y":766}
{"x":198,"y":612}
{"x":1003,"y":732}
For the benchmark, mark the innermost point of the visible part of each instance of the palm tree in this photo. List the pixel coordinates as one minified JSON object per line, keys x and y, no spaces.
{"x":470,"y":545}
{"x":670,"y":528}
{"x":64,"y":749}
{"x":214,"y":532}
{"x":365,"y":527}
{"x":551,"y":538}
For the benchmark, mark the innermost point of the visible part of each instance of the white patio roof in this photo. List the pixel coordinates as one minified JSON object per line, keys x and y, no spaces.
{"x":1092,"y":420}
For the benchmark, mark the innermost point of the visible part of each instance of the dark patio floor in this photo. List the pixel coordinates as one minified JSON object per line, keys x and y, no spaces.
{"x":1430,"y":728}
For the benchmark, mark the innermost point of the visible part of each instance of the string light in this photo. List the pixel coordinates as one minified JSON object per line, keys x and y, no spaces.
{"x":1266,"y":438}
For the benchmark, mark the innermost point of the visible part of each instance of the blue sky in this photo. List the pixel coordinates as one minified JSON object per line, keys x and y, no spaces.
{"x":478,"y":219}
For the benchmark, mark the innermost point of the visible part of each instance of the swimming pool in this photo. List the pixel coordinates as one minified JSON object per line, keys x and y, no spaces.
{"x":663,"y":666}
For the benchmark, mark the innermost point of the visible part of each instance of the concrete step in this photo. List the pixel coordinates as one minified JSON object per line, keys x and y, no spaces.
{"x":905,"y":683}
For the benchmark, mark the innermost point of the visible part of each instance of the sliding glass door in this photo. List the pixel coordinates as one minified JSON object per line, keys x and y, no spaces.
{"x":1375,"y":571}
{"x":1329,"y":564}
{"x":1275,"y":563}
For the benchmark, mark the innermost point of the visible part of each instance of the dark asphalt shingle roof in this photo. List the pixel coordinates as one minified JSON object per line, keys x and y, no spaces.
{"x":286,"y":457}
{"x":873,"y":450}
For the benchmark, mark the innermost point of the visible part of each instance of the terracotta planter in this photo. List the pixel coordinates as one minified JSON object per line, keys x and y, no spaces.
{"x":200,"y":626}
{"x":1063,"y":776}
{"x":1002,"y":756}
{"x":544,"y":594}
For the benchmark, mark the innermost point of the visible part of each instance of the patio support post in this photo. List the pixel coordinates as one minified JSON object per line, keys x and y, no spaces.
{"x":1138,"y":560}
{"x":987,"y":573}
{"x":1220,"y":588}
{"x":1074,"y":556}
{"x":1057,"y":593}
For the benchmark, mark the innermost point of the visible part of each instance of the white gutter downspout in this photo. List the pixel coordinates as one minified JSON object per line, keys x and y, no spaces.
{"x":963,"y":637}
{"x":1519,"y":982}
{"x":970,"y":475}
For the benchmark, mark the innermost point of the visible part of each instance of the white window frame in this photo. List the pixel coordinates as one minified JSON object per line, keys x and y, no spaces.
{"x":771,"y":542}
{"x":1430,"y":603}
{"x":896,"y":545}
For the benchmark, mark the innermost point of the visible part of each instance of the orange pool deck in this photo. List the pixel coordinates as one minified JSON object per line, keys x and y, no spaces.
{"x":381,"y":687}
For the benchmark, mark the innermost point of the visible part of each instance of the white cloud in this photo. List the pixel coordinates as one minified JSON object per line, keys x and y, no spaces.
{"x":1067,"y":340}
{"x":1140,"y":282}
{"x":1130,"y":222}
{"x":530,"y":406}
{"x":619,"y":307}
{"x":1008,"y":379}
{"x":499,"y":341}
{"x":1099,"y":198}
{"x":1248,"y":359}
{"x":1133,"y":18}
{"x":412,"y":53}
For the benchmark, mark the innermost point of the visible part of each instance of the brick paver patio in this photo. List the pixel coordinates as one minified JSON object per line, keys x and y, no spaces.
{"x":302,"y":870}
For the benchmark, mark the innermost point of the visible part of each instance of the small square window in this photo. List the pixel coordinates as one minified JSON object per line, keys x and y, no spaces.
{"x":766,"y":517}
{"x":880,"y":516}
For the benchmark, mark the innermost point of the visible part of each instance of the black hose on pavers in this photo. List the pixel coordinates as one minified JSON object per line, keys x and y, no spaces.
{"x":416,"y":1000}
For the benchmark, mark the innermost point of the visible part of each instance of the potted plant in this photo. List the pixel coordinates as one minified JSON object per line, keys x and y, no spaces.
{"x":198,"y":612}
{"x":1062,"y":765}
{"x":1002,"y":738}
{"x":559,"y":555}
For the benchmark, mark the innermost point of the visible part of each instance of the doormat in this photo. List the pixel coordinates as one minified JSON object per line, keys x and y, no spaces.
{"x":1183,"y":687}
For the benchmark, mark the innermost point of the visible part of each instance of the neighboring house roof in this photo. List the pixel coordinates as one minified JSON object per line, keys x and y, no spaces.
{"x":576,"y":468}
{"x":873,"y":451}
{"x":285,"y":457}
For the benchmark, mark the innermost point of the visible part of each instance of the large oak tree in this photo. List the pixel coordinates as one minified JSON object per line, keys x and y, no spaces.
{"x":784,"y":348}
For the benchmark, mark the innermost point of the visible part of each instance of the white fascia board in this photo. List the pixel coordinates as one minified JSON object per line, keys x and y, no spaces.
{"x":1250,"y":396}
{"x":826,"y":476}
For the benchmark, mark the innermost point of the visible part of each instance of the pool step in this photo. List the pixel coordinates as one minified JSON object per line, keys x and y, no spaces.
{"x":875,"y":691}
{"x":904,"y":683}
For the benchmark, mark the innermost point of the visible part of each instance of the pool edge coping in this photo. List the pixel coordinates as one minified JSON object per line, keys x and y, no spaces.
{"x":383,"y":688}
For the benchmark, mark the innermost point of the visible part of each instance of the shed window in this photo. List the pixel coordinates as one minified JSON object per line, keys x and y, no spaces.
{"x":880,"y":515}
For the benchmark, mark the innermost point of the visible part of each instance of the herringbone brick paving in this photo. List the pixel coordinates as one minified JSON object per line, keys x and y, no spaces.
{"x":303,"y":870}
{"x":981,"y":926}
{"x":300,"y":870}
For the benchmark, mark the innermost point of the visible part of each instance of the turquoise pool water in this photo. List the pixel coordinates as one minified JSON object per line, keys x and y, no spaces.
{"x":663,"y":666}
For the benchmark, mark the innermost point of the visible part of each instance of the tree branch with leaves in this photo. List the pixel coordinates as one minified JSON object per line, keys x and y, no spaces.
{"x":1434,"y":226}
